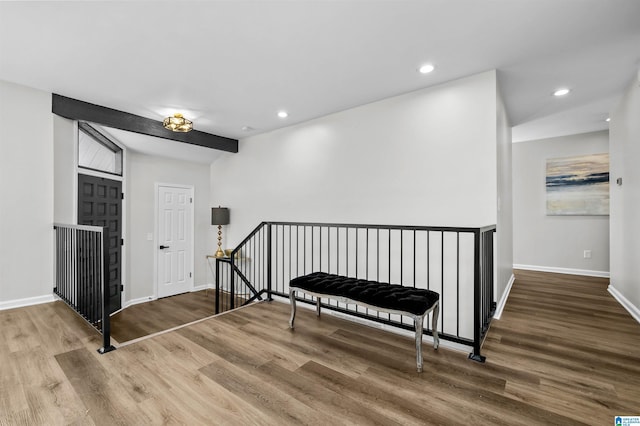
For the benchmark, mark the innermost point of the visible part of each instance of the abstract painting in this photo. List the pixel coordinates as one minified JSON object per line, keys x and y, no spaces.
{"x":578,"y":185}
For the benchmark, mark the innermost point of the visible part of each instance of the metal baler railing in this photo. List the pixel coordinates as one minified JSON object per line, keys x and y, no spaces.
{"x":457,"y":262}
{"x":81,"y":274}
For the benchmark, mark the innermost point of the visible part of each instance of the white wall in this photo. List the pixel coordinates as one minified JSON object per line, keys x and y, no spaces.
{"x":26,"y":194}
{"x":504,"y":228}
{"x":625,"y":200}
{"x":143,"y":172}
{"x":428,"y":157}
{"x":423,"y":158}
{"x":65,"y":177}
{"x":555,"y":242}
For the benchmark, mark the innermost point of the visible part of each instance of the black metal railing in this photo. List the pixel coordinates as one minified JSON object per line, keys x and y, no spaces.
{"x":81,"y":275}
{"x":455,"y":262}
{"x":245,"y":275}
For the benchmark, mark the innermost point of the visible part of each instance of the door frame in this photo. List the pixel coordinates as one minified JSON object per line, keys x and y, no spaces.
{"x":156,"y":233}
{"x":80,"y":170}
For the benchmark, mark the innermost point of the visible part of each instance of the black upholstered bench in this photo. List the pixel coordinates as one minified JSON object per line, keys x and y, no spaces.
{"x":390,"y":298}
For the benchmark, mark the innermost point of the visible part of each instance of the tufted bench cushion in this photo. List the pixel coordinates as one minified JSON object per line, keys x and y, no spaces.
{"x":389,"y":296}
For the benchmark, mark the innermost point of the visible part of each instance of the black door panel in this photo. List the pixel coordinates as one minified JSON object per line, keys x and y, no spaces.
{"x":100,"y":204}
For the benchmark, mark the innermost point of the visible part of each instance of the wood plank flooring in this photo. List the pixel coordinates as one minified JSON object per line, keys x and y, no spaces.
{"x":162,"y":314}
{"x":564,"y":353}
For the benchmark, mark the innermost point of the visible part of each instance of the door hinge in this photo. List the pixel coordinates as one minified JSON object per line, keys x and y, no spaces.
{"x":121,"y":287}
{"x":122,"y":195}
{"x":191,"y":200}
{"x":121,"y":241}
{"x":189,"y":274}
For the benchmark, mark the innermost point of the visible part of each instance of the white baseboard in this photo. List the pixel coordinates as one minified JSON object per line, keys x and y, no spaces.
{"x":630,"y":307}
{"x":153,"y":297}
{"x":570,"y":271}
{"x":138,"y":301}
{"x":203,"y":287}
{"x":20,"y":303}
{"x":503,"y":299}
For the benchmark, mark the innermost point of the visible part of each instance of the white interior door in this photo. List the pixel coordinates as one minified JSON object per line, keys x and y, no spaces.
{"x":175,"y":235}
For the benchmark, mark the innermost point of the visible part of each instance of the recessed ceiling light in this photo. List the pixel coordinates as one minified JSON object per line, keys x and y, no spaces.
{"x":608,"y":119}
{"x":247,"y":128}
{"x":283,"y":114}
{"x":426,"y":68}
{"x":561,"y":92}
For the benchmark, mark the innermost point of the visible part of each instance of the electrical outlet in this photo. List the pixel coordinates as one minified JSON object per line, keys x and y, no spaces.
{"x":587,"y":254}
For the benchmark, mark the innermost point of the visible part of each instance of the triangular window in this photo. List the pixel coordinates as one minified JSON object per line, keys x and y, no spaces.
{"x":98,"y":152}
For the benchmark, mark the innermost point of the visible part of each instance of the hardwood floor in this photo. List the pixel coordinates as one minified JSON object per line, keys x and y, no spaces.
{"x":162,"y":314}
{"x":564,"y":353}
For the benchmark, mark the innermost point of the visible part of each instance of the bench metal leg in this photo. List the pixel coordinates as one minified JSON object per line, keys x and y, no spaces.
{"x":434,"y":325}
{"x":419,"y":325}
{"x":418,"y":321}
{"x":318,"y":305}
{"x":292,"y":299}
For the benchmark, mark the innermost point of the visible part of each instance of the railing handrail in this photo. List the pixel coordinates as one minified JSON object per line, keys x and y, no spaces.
{"x":79,"y":227}
{"x":392,"y":227}
{"x":251,"y":234}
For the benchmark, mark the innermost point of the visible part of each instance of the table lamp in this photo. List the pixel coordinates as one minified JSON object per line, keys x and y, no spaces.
{"x":219,"y":216}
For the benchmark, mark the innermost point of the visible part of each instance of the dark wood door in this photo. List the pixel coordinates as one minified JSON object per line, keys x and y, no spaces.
{"x":100,"y":204}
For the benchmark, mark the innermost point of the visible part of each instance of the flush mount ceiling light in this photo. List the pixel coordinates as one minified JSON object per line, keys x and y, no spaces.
{"x":561,"y":92}
{"x":283,"y":114}
{"x":426,"y":68}
{"x":177,"y":123}
{"x":608,"y":119}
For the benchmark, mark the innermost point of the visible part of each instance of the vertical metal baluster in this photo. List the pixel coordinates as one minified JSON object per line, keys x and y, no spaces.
{"x":357,"y":254}
{"x":276,"y":258}
{"x":337,"y":250}
{"x":93,"y":276}
{"x":97,"y":307}
{"x":290,"y":231}
{"x":476,"y":296}
{"x":389,"y":267}
{"x":77,"y":269}
{"x":217,"y":282}
{"x":71,"y":271}
{"x":85,"y":274}
{"x":442,"y":276}
{"x":367,"y":258}
{"x":329,"y":249}
{"x":378,"y":254}
{"x":269,"y":264}
{"x":458,"y":284}
{"x":346,"y":230}
{"x":320,"y":248}
{"x":401,"y":257}
{"x":414,"y":258}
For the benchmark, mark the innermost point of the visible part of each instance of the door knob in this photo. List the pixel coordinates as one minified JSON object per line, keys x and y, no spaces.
{"x":163,"y":247}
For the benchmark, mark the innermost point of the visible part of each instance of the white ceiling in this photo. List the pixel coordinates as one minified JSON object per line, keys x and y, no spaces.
{"x":150,"y":145}
{"x":229,"y":64}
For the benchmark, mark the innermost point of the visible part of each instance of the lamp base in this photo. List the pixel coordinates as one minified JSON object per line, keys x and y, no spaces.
{"x":219,"y":253}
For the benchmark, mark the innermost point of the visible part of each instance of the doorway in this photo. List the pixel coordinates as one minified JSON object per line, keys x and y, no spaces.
{"x":174,"y":250}
{"x":100,"y":204}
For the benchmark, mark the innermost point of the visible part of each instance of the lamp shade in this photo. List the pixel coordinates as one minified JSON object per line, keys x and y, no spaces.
{"x":219,"y":216}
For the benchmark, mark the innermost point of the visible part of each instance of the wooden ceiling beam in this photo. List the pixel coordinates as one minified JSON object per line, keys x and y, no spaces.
{"x":79,"y":110}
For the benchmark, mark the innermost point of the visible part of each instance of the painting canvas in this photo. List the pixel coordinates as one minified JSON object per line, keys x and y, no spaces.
{"x":578,"y":185}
